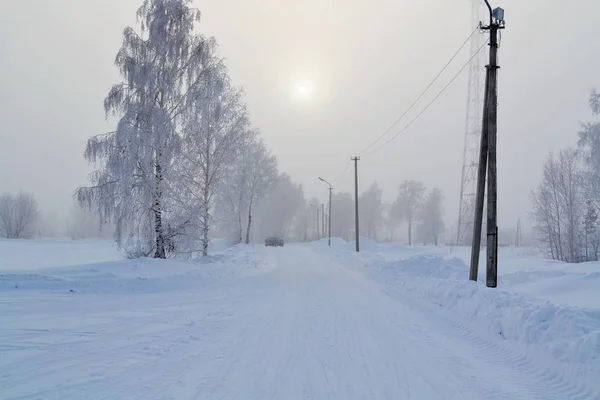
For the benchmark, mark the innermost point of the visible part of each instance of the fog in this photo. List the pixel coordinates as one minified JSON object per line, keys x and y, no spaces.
{"x":362,"y":64}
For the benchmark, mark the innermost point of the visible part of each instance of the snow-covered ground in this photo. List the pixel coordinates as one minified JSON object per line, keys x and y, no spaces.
{"x":299,"y":322}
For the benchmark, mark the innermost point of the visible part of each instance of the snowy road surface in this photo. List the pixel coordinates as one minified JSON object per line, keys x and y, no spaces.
{"x":300,"y":326}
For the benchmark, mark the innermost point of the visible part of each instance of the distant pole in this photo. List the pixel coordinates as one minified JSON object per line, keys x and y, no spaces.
{"x":519,"y":238}
{"x":329,"y":240}
{"x":305,"y":228}
{"x":316,"y":228}
{"x":357,"y":234}
{"x":322,"y":220}
{"x":330,"y":190}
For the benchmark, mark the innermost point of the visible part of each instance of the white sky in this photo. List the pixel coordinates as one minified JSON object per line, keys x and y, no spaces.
{"x":367,"y":60}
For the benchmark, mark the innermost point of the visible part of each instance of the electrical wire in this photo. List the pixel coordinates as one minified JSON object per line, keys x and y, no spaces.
{"x":431,"y":102}
{"x":421,"y":95}
{"x":342,"y":172}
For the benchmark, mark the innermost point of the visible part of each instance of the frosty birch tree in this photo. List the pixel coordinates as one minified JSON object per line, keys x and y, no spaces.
{"x":558,"y":207}
{"x":281,"y":208}
{"x":568,"y":197}
{"x":232,"y":205}
{"x":589,"y":143}
{"x":18,"y":215}
{"x":590,"y":226}
{"x":432,"y":223}
{"x":262,"y":174}
{"x":342,"y":218}
{"x":409,"y":202}
{"x":392,"y":217}
{"x":160,"y":67}
{"x":371,"y":210}
{"x":214,"y":131}
{"x":546,"y":222}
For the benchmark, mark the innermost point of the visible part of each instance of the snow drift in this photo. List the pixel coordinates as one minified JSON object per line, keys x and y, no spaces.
{"x":569,"y":334}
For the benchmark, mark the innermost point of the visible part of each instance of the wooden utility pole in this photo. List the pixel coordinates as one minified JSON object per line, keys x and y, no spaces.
{"x":492,"y":198}
{"x":357,"y":233}
{"x":487,"y":158}
{"x":479,"y":197}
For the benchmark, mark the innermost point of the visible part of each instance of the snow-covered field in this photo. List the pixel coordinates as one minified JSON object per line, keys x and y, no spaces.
{"x":300,"y":322}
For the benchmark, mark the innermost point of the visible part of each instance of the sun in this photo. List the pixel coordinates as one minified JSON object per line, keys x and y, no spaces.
{"x":303,"y":90}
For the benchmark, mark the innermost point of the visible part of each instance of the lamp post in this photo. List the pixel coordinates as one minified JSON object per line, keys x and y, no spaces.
{"x":329,"y":228}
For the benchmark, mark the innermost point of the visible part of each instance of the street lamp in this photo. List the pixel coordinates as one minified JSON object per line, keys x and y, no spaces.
{"x":330,"y":190}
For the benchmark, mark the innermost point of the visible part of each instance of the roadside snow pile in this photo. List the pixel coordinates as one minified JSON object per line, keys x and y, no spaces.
{"x":22,"y":254}
{"x":570,"y":334}
{"x":142,"y":275}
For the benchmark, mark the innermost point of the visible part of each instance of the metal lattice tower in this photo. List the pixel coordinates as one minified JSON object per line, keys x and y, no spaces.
{"x":475,"y":96}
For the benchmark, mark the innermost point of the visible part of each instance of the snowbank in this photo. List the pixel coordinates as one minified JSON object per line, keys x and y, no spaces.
{"x":570,"y":334}
{"x":18,"y":255}
{"x":143,"y":275}
{"x":27,"y":255}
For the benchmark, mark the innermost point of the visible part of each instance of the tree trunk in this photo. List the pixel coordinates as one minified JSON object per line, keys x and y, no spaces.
{"x":586,"y":244}
{"x":240,"y":229}
{"x":409,"y":231}
{"x":205,"y":220}
{"x":240,"y":207}
{"x":205,"y":229}
{"x":205,"y":214}
{"x":157,"y":208}
{"x":249,"y":223}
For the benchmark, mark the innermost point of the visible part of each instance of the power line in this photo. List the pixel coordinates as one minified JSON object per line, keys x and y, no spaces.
{"x":422,"y":93}
{"x":342,"y":172}
{"x":430,"y":103}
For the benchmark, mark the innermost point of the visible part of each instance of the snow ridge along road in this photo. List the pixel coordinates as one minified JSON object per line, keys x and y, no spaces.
{"x":297,"y":322}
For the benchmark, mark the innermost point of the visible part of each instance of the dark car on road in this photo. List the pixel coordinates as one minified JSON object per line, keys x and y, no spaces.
{"x":274,"y":242}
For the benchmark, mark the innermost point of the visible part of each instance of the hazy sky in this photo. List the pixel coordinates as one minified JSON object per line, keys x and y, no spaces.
{"x":366,"y":60}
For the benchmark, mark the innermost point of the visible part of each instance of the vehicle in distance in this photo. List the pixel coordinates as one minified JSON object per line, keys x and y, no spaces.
{"x":274,"y":241}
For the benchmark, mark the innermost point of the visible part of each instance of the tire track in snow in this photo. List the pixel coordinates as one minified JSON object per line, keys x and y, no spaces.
{"x":546,"y":381}
{"x":133,"y":347}
{"x":306,"y":329}
{"x":328,"y":335}
{"x":418,"y":345}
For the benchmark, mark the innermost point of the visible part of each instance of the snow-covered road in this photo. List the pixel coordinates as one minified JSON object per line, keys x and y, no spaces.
{"x":302,"y":326}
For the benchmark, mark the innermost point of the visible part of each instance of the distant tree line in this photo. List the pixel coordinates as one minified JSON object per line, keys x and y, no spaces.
{"x":185,"y":164}
{"x":567,"y":200}
{"x":19,"y":215}
{"x":421,"y":211}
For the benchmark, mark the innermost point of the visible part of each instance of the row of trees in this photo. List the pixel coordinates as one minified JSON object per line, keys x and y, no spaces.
{"x":421,"y":211}
{"x":185,"y":163}
{"x":184,"y":158}
{"x":567,"y":200}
